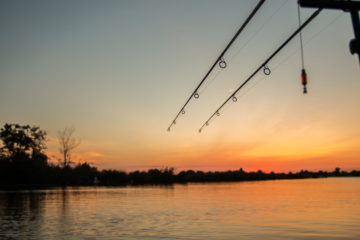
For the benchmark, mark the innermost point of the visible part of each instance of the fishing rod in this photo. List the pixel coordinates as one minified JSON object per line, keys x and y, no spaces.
{"x":263,"y":65}
{"x":353,"y":7}
{"x":219,"y":60}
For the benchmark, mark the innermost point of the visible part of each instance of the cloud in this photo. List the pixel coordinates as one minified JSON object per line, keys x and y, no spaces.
{"x":93,"y":154}
{"x":89,"y":157}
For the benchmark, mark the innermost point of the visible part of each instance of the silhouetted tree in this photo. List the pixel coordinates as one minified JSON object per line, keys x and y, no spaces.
{"x":22,"y":157}
{"x":23,"y":163}
{"x":84,"y":174}
{"x":21,"y":140}
{"x":67,"y":143}
{"x":113,"y":178}
{"x":337,"y":171}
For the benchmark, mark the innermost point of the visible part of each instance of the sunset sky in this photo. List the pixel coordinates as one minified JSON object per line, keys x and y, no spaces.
{"x":119,"y":72}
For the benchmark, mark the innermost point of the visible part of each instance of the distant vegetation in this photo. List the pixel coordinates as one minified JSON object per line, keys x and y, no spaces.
{"x":23,"y":163}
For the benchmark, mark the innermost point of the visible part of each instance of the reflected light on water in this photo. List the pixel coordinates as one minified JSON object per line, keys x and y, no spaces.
{"x":283,"y":209}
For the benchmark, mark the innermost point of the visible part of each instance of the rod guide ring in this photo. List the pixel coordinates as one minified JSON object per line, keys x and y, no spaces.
{"x":266,"y":70}
{"x":222,"y":63}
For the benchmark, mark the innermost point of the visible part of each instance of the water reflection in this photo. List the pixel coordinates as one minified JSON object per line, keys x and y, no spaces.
{"x":21,"y":212}
{"x":63,"y":219}
{"x":286,"y":209}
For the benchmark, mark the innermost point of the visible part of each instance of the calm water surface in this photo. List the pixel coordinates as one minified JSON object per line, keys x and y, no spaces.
{"x":284,"y":209}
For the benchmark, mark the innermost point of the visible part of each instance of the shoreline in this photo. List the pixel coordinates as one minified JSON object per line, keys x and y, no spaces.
{"x":30,"y":187}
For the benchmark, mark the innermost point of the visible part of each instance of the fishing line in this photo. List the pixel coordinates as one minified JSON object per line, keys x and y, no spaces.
{"x":264,"y":65}
{"x":219,"y":61}
{"x":303,"y":72}
{"x":276,"y":67}
{"x":246,"y":43}
{"x":310,"y":39}
{"x":257,"y":31}
{"x":301,"y":40}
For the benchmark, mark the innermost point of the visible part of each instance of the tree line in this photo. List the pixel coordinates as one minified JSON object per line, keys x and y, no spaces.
{"x":23,"y":163}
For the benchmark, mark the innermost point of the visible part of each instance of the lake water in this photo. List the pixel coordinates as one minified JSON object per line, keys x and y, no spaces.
{"x":282,"y":209}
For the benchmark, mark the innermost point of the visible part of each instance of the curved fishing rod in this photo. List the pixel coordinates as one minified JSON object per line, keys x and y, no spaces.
{"x":263,"y":65}
{"x":220,"y":60}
